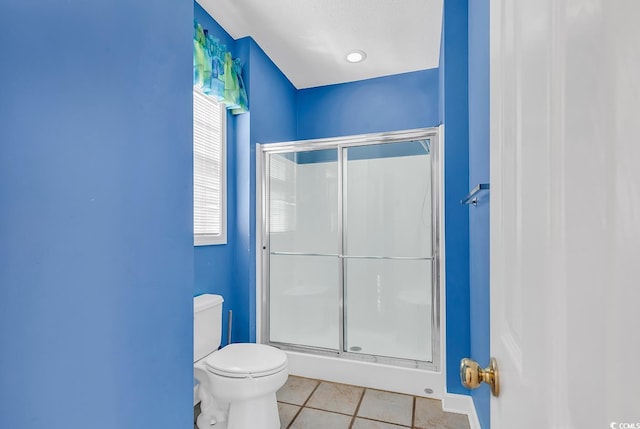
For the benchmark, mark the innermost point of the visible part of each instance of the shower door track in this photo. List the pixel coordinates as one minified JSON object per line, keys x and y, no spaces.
{"x":393,"y":258}
{"x":339,"y":143}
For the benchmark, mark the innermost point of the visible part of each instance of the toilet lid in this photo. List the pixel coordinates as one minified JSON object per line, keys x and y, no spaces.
{"x":246,"y":360}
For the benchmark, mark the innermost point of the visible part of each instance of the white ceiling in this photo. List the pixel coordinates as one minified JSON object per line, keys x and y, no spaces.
{"x":309,"y":39}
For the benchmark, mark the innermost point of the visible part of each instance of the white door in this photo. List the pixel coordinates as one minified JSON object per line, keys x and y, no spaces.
{"x":565,"y":213}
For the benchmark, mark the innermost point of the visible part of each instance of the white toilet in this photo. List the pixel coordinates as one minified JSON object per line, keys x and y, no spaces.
{"x":238,"y":383}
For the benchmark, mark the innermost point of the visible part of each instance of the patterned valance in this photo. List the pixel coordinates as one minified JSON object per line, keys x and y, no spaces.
{"x":216,"y":73}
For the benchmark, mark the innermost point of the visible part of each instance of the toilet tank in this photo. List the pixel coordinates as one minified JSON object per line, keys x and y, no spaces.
{"x":207,"y":324}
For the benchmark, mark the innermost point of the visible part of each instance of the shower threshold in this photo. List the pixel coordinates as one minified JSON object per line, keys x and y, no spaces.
{"x":372,"y":374}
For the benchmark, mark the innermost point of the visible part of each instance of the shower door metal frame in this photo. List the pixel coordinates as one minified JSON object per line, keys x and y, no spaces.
{"x":263,"y":246}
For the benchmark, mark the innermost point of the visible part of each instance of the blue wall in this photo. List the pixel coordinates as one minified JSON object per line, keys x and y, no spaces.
{"x":215,"y":266}
{"x":479,"y":173}
{"x":229,"y":270}
{"x":390,"y":103}
{"x":412,"y":100}
{"x":96,"y":254}
{"x":273,"y":107}
{"x":214,"y":29}
{"x":456,"y":120}
{"x":441,"y":69}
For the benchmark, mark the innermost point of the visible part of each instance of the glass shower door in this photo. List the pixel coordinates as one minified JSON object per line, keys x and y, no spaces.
{"x":304,"y":237}
{"x":387,"y":247}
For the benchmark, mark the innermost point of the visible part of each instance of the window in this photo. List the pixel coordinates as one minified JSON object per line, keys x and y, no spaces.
{"x":209,"y":175}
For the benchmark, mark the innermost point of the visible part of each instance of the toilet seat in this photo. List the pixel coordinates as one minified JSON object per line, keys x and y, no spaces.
{"x":246,"y":360}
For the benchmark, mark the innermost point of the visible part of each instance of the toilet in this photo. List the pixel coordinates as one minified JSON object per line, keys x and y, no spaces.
{"x":238,"y":383}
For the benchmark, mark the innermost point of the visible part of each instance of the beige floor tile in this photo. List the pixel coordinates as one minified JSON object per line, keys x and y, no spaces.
{"x":287,"y":413}
{"x":457,"y":421}
{"x":296,"y":390}
{"x":339,"y":398}
{"x":387,"y":407}
{"x":370,"y":424}
{"x":429,"y":415}
{"x":317,"y":419}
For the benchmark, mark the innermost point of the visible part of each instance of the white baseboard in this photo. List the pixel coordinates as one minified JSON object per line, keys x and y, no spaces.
{"x":461,"y":404}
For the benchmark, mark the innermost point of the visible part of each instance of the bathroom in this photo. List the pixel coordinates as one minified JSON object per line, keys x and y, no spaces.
{"x":121,"y":210}
{"x":366,"y":106}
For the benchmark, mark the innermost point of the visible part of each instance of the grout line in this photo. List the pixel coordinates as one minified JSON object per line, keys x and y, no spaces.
{"x":294,"y":418}
{"x":383,"y":421}
{"x":413,"y":412}
{"x":328,"y":411}
{"x":355,"y":413}
{"x":304,"y":403}
{"x":312,"y":392}
{"x":290,"y":403}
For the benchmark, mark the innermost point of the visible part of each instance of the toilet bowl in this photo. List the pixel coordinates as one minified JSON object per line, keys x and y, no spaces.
{"x":238,"y":383}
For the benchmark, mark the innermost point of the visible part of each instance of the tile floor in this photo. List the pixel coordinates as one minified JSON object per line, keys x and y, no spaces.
{"x":309,"y":404}
{"x":305,"y":403}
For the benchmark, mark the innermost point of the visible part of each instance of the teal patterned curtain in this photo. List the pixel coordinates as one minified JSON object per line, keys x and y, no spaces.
{"x":216,"y":73}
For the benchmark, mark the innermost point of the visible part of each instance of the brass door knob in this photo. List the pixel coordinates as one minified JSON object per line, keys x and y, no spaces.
{"x":472,"y":375}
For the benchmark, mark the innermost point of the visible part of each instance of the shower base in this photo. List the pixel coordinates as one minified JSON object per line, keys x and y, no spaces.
{"x":411,"y":381}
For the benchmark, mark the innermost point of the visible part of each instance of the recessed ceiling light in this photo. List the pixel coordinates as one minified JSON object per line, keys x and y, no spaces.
{"x":356,"y":56}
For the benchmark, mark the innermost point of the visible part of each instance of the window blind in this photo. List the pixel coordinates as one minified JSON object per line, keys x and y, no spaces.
{"x":209,"y":182}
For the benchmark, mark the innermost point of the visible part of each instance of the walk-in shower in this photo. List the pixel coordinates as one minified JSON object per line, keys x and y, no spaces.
{"x":350,"y":240}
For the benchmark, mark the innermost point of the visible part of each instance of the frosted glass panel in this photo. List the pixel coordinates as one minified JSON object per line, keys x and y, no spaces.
{"x":388,"y":307}
{"x":388,"y":200}
{"x":366,"y":287}
{"x":304,"y":300}
{"x":303,"y":223}
{"x":388,"y":215}
{"x":303,"y":202}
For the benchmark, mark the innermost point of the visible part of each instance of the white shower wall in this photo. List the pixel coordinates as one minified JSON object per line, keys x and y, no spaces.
{"x":387,"y":214}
